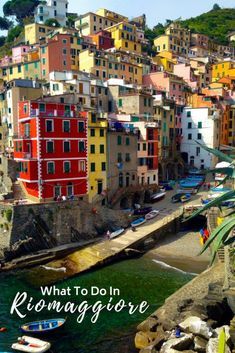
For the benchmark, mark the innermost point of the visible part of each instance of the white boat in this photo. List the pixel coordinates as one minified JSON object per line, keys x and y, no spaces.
{"x":157,"y":197}
{"x":151,"y":214}
{"x":31,"y":345}
{"x":117,"y":233}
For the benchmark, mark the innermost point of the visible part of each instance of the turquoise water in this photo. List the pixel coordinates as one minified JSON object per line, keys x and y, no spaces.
{"x":138,"y":280}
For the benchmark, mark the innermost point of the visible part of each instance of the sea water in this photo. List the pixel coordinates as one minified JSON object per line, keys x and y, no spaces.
{"x":137,"y":280}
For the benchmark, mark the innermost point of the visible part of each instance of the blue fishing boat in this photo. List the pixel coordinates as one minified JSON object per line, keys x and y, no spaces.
{"x":189,"y":184}
{"x":138,"y":222}
{"x":43,"y":326}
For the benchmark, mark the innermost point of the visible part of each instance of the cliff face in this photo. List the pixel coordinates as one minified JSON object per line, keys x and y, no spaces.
{"x":42,"y":226}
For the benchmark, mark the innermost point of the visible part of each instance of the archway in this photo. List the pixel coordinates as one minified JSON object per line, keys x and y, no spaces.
{"x":124,"y":203}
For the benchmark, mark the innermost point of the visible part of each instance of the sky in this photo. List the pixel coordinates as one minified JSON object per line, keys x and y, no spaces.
{"x":155,"y":10}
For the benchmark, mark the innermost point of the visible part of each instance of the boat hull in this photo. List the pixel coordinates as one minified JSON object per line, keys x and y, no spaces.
{"x":151,"y":215}
{"x":34,"y":345}
{"x":117,"y":233}
{"x":43,"y":326}
{"x":138,"y":222}
{"x":158,"y":197}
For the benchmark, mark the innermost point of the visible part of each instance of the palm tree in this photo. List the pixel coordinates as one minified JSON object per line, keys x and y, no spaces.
{"x":221,"y":236}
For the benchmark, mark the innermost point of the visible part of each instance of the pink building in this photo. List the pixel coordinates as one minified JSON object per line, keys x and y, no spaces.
{"x":19,"y":52}
{"x":187,"y":73}
{"x":175,"y":86}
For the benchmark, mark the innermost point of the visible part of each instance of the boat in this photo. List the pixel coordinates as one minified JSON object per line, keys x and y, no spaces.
{"x":157,"y":197}
{"x":177,"y":197}
{"x":3,"y":329}
{"x":151,"y":215}
{"x":142,"y":211}
{"x":117,"y":233}
{"x":31,"y":345}
{"x":138,"y":222}
{"x":220,"y":189}
{"x":189,"y":184}
{"x":43,"y":326}
{"x":185,"y":198}
{"x":190,"y":191}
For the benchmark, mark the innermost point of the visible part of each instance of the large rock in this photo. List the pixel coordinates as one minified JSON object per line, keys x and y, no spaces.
{"x":195,"y":325}
{"x":200,"y":344}
{"x":178,"y":344}
{"x":145,"y":339}
{"x":218,"y":331}
{"x":148,"y":325}
{"x":213,"y":344}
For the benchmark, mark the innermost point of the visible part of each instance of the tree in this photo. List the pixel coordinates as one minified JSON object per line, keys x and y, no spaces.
{"x":14,"y":33}
{"x":2,"y":40}
{"x":221,"y":236}
{"x":20,"y":8}
{"x":4,"y":24}
{"x":216,"y":7}
{"x":52,"y":22}
{"x":71,"y":21}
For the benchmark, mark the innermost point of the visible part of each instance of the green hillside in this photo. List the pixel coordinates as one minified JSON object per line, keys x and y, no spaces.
{"x":216,"y":24}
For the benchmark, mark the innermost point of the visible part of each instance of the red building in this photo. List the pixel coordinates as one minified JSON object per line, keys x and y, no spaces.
{"x":51,"y":148}
{"x":102,"y":40}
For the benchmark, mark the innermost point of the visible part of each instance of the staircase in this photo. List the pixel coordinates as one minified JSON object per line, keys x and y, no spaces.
{"x":18,"y":191}
{"x":221,"y":255}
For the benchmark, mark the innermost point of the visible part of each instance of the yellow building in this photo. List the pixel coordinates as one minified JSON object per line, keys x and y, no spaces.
{"x":106,"y":65}
{"x":224,"y":68}
{"x":176,"y":40}
{"x":91,"y":23}
{"x":166,"y":60}
{"x":125,"y":37}
{"x":25,"y":70}
{"x":35,"y":31}
{"x":112,"y":16}
{"x":97,"y":156}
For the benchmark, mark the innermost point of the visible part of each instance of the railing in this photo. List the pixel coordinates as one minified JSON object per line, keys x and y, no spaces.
{"x":54,"y":112}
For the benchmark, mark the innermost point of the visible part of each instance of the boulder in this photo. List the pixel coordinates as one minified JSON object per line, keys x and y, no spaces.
{"x":142,"y":340}
{"x":200,"y":344}
{"x":148,"y":325}
{"x":195,"y":325}
{"x":178,"y":344}
{"x":218,"y":330}
{"x":213,"y":344}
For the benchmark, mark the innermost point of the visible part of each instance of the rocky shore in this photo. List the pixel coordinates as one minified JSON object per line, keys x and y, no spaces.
{"x":200,"y":309}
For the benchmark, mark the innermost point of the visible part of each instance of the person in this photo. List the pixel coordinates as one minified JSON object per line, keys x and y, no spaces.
{"x":108,"y":234}
{"x":63,"y":198}
{"x":23,"y":341}
{"x":133,"y":229}
{"x":177,"y":332}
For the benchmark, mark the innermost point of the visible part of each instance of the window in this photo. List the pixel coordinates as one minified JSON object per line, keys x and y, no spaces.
{"x":119,"y":157}
{"x":70,"y":190}
{"x":120,"y":102}
{"x":44,"y":61}
{"x":101,"y":149}
{"x":92,"y":167}
{"x":103,"y":166}
{"x":101,"y":132}
{"x":55,"y":87}
{"x":43,"y":50}
{"x":189,"y":125}
{"x":50,"y":146}
{"x":199,"y":125}
{"x":92,"y":149}
{"x":19,"y":68}
{"x":67,"y":167}
{"x":119,"y":140}
{"x":11,"y":70}
{"x":36,"y":65}
{"x":93,"y":118}
{"x":199,"y":136}
{"x":82,"y":166}
{"x":66,"y":146}
{"x":49,"y":126}
{"x":64,"y":51}
{"x":42,"y":108}
{"x":81,"y":146}
{"x":144,"y":146}
{"x":50,"y":168}
{"x":92,"y":132}
{"x":128,"y":158}
{"x":66,"y":126}
{"x":127,"y":141}
{"x":189,"y":136}
{"x":81,"y":126}
{"x":57,"y":190}
{"x":198,"y":151}
{"x":188,"y":114}
{"x":55,"y":3}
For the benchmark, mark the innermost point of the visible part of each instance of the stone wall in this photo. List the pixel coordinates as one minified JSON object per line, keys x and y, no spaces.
{"x":41,"y":226}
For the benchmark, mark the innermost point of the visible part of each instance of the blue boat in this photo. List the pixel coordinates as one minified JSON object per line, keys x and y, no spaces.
{"x":189,"y":184}
{"x":43,"y":326}
{"x":218,"y":189}
{"x":138,"y":222}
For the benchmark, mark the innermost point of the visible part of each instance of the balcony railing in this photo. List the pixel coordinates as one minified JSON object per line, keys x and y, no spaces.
{"x":53,"y":113}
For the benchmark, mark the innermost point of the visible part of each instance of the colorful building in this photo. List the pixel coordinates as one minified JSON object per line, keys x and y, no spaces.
{"x":125,"y":37}
{"x":52,"y":9}
{"x":51,"y":148}
{"x":97,"y":157}
{"x":35,"y":32}
{"x":102,"y":40}
{"x":225,"y":68}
